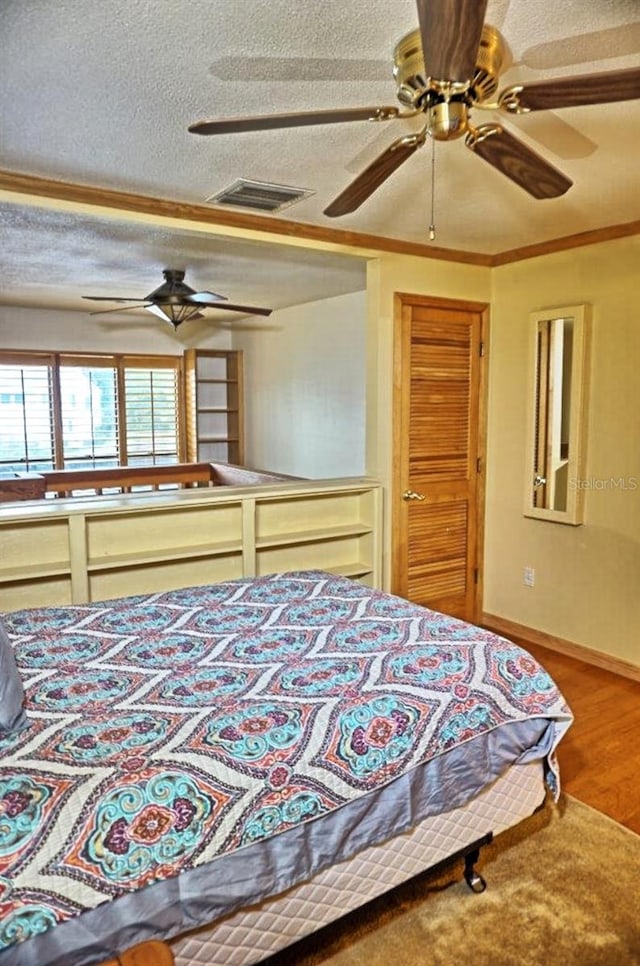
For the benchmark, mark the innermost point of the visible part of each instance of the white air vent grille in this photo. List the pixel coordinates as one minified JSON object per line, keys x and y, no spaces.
{"x":259,"y":195}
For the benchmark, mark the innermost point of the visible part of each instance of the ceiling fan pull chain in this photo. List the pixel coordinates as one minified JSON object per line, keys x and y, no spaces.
{"x":432,"y":223}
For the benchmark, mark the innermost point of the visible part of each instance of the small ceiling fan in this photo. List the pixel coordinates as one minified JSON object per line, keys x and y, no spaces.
{"x":446,"y":68}
{"x":176,"y":302}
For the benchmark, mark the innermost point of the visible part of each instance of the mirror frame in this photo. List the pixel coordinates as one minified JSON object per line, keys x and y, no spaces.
{"x":581,"y":315}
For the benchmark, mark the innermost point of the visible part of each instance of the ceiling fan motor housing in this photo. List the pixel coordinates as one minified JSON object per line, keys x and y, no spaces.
{"x":447,"y":119}
{"x":414,"y":84}
{"x":173,"y":289}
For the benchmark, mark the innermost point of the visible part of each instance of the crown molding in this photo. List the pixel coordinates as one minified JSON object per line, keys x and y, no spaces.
{"x":33,"y":186}
{"x":593,"y":237}
{"x":14,"y":182}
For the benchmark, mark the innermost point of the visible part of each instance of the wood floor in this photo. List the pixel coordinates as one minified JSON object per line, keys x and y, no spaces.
{"x":600,"y":756}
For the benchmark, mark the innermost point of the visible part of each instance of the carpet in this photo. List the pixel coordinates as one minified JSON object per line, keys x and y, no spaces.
{"x":563,"y":888}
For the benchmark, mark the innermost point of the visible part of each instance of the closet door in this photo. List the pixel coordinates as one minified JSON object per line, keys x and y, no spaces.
{"x":439,"y":453}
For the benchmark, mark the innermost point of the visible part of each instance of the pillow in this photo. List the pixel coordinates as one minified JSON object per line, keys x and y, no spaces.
{"x":12,"y":713}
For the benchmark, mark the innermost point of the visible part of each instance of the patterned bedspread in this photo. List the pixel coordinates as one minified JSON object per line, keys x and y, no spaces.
{"x":170,"y":729}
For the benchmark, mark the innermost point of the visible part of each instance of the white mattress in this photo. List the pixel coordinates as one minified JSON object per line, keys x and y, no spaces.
{"x":256,"y":932}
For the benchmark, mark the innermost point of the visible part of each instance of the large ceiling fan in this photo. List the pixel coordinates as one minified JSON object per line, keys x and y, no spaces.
{"x":446,"y":68}
{"x":176,"y":302}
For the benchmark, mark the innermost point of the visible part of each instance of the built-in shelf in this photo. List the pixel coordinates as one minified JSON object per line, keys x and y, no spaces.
{"x":218,"y":439}
{"x":354,"y":570}
{"x":35,"y":571}
{"x":312,"y":536}
{"x":216,"y":409}
{"x":138,"y":559}
{"x":214,"y":405}
{"x":203,"y":379}
{"x":75,"y":551}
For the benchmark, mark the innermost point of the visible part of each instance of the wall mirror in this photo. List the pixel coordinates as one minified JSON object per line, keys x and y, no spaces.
{"x":558,"y":408}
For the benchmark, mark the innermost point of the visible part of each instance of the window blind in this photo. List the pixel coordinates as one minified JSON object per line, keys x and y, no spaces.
{"x":85,"y":411}
{"x":88,"y":403}
{"x":27,"y":420}
{"x":151,"y":413}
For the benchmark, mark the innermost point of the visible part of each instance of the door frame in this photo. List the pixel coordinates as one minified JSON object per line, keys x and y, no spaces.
{"x":399,"y":516}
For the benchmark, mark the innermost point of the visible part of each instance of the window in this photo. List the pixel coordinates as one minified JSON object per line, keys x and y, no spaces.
{"x":26,"y":413}
{"x":89,"y":417}
{"x":73,"y":411}
{"x":151,"y":415}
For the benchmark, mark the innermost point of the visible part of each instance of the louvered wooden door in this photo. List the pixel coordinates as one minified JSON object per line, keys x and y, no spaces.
{"x":439,"y":439}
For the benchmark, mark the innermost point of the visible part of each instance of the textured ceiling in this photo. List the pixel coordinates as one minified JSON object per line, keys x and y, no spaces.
{"x":101,"y":93}
{"x":53,"y":258}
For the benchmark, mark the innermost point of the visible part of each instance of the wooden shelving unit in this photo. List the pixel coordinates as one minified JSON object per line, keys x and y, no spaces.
{"x":214,"y":405}
{"x":332,"y":532}
{"x":76,"y":551}
{"x":35,"y":566}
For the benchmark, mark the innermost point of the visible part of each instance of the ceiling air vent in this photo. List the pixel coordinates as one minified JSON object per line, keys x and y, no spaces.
{"x":259,"y":195}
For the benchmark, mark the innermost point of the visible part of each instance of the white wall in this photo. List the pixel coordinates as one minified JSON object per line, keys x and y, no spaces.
{"x":305,"y":392}
{"x":304,"y":372}
{"x":27,"y":328}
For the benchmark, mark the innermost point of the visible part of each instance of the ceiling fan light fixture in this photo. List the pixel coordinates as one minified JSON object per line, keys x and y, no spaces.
{"x":176,"y":302}
{"x":175,"y":312}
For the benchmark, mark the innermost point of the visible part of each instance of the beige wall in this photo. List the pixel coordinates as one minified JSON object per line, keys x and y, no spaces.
{"x":305,"y":411}
{"x":587,"y":586}
{"x":386,"y":276}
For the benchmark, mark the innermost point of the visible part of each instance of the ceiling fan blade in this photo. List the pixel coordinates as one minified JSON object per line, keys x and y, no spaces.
{"x":372,"y":177}
{"x":584,"y":48}
{"x":247,"y":309}
{"x":127,"y":308}
{"x":554,"y":134}
{"x":205,"y":298}
{"x":605,"y":88}
{"x":266,"y":122}
{"x":451,"y":31}
{"x":109,"y":298}
{"x":518,"y":162}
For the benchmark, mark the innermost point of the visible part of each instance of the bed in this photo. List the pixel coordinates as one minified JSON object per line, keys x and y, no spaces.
{"x":229,"y":767}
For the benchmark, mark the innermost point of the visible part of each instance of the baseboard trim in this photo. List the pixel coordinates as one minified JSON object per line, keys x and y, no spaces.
{"x":501,"y":625}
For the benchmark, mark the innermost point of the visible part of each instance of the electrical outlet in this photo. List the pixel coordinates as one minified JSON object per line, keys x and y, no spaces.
{"x":528,"y":576}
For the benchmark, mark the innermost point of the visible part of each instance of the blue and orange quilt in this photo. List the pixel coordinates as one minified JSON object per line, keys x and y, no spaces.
{"x":174,"y":730}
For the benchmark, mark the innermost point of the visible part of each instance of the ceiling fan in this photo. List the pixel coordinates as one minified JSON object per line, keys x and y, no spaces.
{"x":176,"y":302}
{"x":444,"y":69}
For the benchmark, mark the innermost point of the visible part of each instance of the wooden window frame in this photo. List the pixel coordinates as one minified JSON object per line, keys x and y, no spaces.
{"x":119,"y":363}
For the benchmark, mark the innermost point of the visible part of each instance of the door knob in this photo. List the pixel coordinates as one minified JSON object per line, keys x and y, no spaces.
{"x":539,"y":481}
{"x":412,"y":495}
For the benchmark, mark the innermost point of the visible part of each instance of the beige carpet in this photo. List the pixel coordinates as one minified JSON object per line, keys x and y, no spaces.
{"x":563,"y":889}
